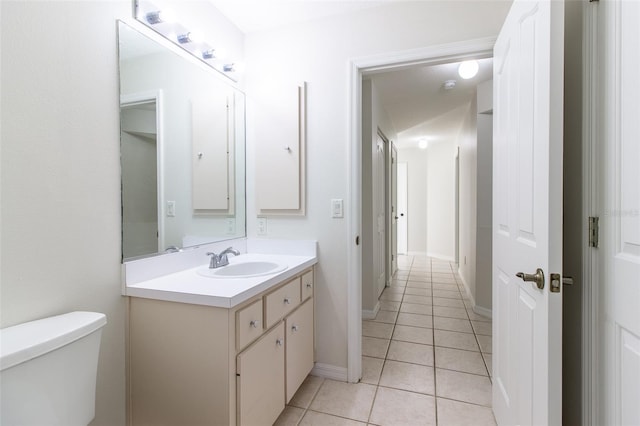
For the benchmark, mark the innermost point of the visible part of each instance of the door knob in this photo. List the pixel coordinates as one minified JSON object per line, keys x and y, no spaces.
{"x":537,"y":278}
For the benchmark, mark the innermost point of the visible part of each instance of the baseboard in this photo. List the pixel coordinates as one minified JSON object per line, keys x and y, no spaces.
{"x":329,"y":372}
{"x":477,"y":309}
{"x":482,"y":311}
{"x":369,"y":314}
{"x":467,"y":290}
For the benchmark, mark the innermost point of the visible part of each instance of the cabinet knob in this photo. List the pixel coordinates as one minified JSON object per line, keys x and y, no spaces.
{"x":294,"y":328}
{"x":309,"y":285}
{"x":287,"y":301}
{"x":254,"y":323}
{"x":279,"y":342}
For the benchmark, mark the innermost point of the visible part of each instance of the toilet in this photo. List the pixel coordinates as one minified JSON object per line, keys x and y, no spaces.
{"x":48,"y":370}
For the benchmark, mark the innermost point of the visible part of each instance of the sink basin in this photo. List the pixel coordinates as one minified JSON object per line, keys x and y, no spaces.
{"x":242,"y":270}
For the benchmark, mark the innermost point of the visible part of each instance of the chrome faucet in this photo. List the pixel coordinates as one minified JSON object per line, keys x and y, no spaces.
{"x":219,"y":260}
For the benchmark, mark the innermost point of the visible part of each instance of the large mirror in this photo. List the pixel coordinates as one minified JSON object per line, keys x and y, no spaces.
{"x":182,"y":150}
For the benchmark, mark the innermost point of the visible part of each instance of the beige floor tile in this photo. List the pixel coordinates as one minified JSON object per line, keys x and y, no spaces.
{"x":481,"y":327}
{"x":374,"y":347}
{"x":412,"y":298}
{"x":388,"y":305}
{"x":397,"y":407}
{"x":485,"y":343}
{"x":419,"y":284}
{"x":410,"y":377}
{"x":313,"y":418}
{"x":394,"y":297}
{"x":306,"y":392}
{"x":416,"y":308}
{"x":398,"y":282}
{"x":394,"y":289}
{"x":386,"y":316}
{"x":407,"y":333}
{"x":417,"y":291}
{"x":451,"y":303}
{"x":452,"y":324}
{"x":377,"y":329}
{"x":410,"y":352}
{"x":415,"y":320}
{"x":463,"y":387}
{"x":456,"y":340}
{"x":452,"y":286}
{"x":290,"y":416}
{"x":459,"y":360}
{"x":401,"y":274}
{"x":447,"y":294}
{"x":456,"y":413}
{"x":350,"y":400}
{"x":419,"y":277}
{"x":445,"y":311}
{"x":488,"y":359}
{"x":371,"y":370}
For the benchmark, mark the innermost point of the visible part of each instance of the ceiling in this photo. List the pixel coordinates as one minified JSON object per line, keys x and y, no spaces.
{"x":414,"y":98}
{"x":420,"y":107}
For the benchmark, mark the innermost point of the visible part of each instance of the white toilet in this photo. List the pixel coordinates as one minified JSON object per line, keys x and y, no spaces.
{"x":48,"y":370}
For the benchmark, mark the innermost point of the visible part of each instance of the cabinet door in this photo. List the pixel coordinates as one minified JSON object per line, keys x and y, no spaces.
{"x":299,"y":346}
{"x":260,"y":370}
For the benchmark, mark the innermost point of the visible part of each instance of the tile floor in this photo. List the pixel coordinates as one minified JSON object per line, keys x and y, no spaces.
{"x":426,"y":359}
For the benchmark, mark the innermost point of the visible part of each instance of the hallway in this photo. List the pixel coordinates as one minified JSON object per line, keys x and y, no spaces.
{"x":424,"y":305}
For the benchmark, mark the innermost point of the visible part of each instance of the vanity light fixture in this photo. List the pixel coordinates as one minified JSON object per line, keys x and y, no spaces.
{"x":184,"y":38}
{"x":468,"y":69}
{"x":162,"y":23}
{"x":209,"y":54}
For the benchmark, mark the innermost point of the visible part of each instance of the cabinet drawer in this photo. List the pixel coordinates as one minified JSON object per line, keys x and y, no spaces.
{"x":249,"y":324}
{"x":282,"y":301}
{"x":307,"y":285}
{"x":299,"y":346}
{"x":260,"y":379}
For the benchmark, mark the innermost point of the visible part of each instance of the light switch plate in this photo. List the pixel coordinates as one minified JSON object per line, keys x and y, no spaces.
{"x":171,"y":208}
{"x":262,"y":226}
{"x":337,"y":208}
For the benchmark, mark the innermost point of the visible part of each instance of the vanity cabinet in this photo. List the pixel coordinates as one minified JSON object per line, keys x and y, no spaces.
{"x":203,"y":365}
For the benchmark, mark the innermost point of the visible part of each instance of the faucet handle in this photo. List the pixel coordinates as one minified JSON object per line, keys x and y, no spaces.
{"x":213,"y":263}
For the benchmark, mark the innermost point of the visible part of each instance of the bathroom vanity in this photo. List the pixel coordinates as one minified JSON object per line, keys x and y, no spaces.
{"x":211,"y":351}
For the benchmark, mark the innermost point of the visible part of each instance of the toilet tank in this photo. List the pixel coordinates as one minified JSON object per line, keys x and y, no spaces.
{"x":48,"y":370}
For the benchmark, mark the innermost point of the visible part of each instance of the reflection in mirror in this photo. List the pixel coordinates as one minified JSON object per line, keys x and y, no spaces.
{"x":182,"y":150}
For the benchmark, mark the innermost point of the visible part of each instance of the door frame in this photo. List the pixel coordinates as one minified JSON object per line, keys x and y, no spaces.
{"x":155,"y":96}
{"x":358,"y":67}
{"x":591,"y":122}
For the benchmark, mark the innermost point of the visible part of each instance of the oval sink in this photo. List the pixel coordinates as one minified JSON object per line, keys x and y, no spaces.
{"x":242,"y":270}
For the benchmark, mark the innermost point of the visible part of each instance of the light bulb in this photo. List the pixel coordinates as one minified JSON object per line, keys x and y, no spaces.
{"x":468,"y":69}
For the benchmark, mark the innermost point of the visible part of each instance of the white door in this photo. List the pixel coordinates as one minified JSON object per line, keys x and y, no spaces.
{"x":402,"y":208}
{"x":527,"y":214}
{"x":620,"y":218}
{"x":394,"y":209}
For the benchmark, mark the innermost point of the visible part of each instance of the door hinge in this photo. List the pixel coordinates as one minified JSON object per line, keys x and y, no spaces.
{"x":594,"y":229}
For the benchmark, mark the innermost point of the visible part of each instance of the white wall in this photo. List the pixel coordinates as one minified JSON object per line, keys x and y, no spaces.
{"x":60,"y":183}
{"x":416,"y":160}
{"x":441,"y":193}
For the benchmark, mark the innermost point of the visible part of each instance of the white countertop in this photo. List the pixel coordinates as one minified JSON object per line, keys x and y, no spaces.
{"x":187,"y":286}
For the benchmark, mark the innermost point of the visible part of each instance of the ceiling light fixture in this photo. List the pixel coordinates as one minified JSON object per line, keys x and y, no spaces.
{"x":468,"y":69}
{"x":423,"y":144}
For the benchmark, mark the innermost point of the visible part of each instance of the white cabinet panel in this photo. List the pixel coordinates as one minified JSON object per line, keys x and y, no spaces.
{"x":212,"y":137}
{"x":260,"y":384}
{"x":299,"y":346}
{"x":280,"y":152}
